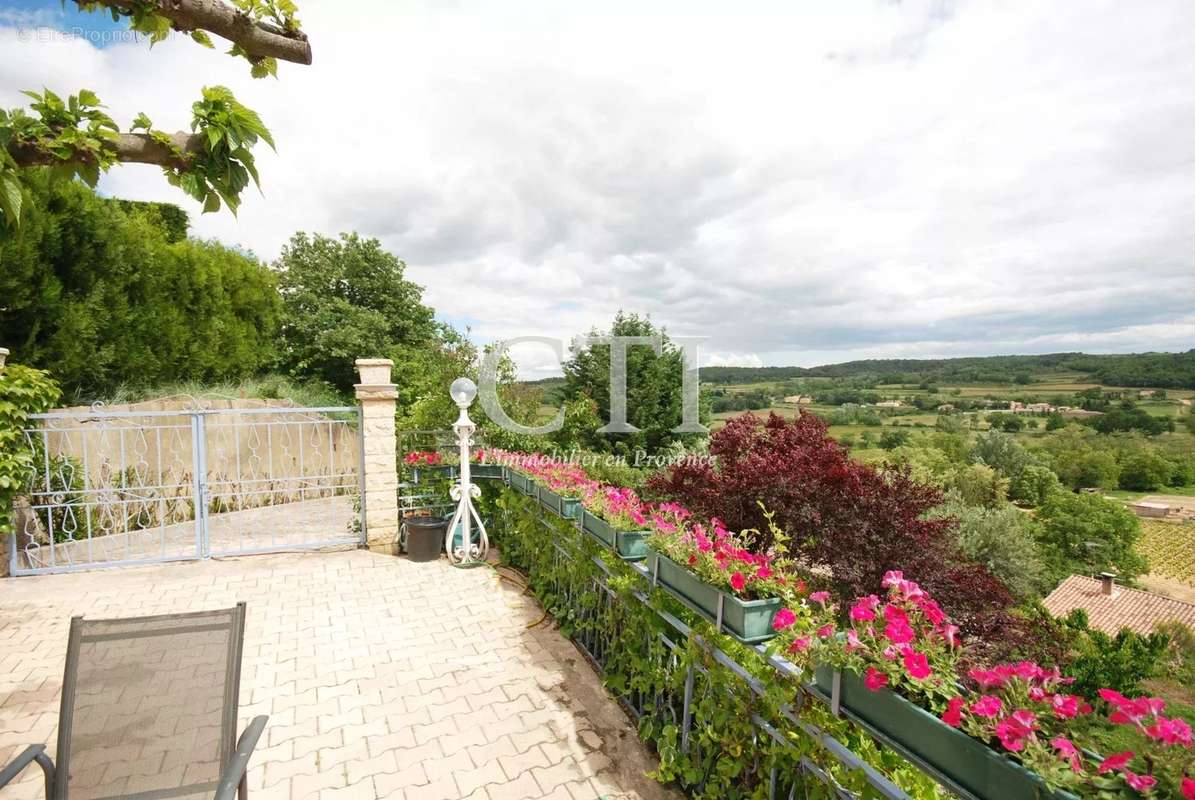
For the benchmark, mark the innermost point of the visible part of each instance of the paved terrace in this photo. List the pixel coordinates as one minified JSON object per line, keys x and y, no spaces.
{"x":382,"y":678}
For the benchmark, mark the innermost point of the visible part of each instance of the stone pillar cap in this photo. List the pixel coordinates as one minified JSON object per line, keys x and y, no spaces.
{"x":374,"y":362}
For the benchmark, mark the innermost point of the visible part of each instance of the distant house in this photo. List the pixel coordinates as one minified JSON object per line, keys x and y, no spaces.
{"x":1111,"y":607}
{"x":890,"y":404}
{"x":1029,"y":408}
{"x":798,"y":399}
{"x":946,"y":408}
{"x":1147,"y":393}
{"x":1147,"y":509}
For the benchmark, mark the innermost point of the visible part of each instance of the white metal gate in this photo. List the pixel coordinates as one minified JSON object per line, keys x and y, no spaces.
{"x":116,"y":488}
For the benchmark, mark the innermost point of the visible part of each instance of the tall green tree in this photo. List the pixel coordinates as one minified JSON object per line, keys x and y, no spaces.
{"x":1081,"y":458}
{"x":654,"y":399}
{"x":1085,"y":534}
{"x":347,"y":298}
{"x":105,"y":294}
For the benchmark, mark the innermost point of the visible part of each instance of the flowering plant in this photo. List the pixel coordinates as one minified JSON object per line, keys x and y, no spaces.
{"x":1024,"y":708}
{"x":432,"y":458}
{"x":718,"y":556}
{"x":620,"y":507}
{"x":562,"y":477}
{"x":423,"y":458}
{"x":905,"y":642}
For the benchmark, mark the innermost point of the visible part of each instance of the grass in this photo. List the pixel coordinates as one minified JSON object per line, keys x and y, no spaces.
{"x":1170,"y":549}
{"x":1133,"y":497}
{"x":267,"y":387}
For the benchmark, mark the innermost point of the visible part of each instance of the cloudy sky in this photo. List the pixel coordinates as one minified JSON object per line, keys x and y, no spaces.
{"x":799,"y":183}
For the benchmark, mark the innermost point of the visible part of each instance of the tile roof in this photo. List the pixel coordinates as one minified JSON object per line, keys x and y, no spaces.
{"x":1129,"y":608}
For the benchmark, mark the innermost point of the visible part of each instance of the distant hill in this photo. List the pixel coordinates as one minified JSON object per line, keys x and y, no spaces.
{"x":1163,"y":370}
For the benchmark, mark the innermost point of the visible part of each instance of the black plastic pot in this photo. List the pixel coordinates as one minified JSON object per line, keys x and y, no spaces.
{"x":425,"y":537}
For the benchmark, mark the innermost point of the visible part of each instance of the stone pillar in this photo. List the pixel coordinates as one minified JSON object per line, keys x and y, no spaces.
{"x":376,"y":395}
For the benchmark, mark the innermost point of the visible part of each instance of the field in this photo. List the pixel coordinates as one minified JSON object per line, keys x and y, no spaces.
{"x":1170,"y":548}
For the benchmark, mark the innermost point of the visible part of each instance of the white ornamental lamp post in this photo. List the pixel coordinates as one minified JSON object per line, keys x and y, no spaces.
{"x":466,"y":552}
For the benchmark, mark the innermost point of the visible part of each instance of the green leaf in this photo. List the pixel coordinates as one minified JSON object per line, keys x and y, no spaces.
{"x":212,"y":203}
{"x":203,"y":39}
{"x":142,"y":121}
{"x":89,"y":98}
{"x":90,"y":173}
{"x":11,"y":198}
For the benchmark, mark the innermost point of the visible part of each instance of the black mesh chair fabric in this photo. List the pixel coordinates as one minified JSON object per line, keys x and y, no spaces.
{"x":149,"y":705}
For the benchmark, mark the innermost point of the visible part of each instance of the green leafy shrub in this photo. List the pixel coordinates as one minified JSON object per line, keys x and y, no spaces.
{"x":105,"y":297}
{"x":1003,"y":539}
{"x":1034,"y":485}
{"x":23,"y":391}
{"x":1121,"y":662}
{"x":1145,"y":471}
{"x":1086,"y":534}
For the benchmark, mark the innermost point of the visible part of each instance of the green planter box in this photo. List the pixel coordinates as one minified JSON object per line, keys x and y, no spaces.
{"x":487,"y":471}
{"x":971,"y":764}
{"x":521,"y":482}
{"x":434,"y":472}
{"x":630,"y":545}
{"x":558,"y":504}
{"x":749,"y":621}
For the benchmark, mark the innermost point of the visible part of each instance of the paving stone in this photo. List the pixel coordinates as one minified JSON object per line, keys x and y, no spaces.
{"x":382,"y":678}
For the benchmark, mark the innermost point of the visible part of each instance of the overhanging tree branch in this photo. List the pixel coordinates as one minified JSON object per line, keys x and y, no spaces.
{"x":257,"y":38}
{"x":133,"y":148}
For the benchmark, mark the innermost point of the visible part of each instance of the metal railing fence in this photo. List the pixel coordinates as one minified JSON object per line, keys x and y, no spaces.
{"x":592,"y":614}
{"x":114,"y":488}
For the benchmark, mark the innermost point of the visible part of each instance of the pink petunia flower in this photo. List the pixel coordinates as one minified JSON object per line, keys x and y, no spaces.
{"x":1170,"y":731}
{"x":875,"y":680}
{"x":1068,"y":752}
{"x":1015,"y":729}
{"x":864,"y":608}
{"x":1142,"y":783}
{"x":988,"y":678}
{"x":1188,"y":788}
{"x":738,"y":581}
{"x":1066,"y":706}
{"x":820,"y":597}
{"x":800,"y":644}
{"x":917,"y":665}
{"x":899,"y":633}
{"x":826,"y":631}
{"x":783,"y":619}
{"x":1116,"y":762}
{"x":988,"y":706}
{"x":953,"y":715}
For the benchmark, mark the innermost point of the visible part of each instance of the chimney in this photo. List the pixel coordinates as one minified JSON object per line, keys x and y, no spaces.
{"x":1107,"y":583}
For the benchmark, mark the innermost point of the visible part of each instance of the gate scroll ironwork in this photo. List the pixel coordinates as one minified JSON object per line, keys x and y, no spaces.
{"x":117,"y":488}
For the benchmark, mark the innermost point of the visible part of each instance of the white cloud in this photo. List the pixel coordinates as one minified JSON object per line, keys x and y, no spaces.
{"x":798,"y":183}
{"x":733,"y":360}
